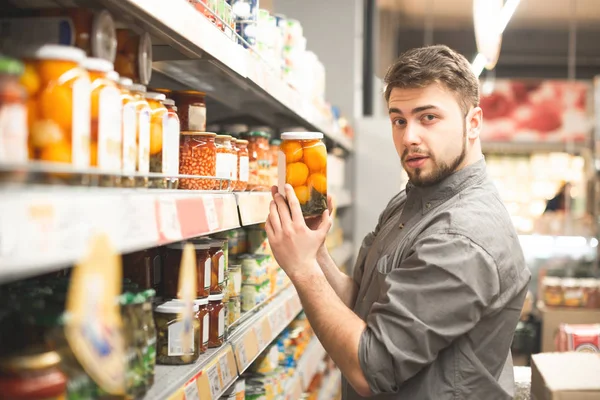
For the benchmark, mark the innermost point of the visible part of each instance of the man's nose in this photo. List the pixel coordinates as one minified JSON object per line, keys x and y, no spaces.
{"x":412,"y":135}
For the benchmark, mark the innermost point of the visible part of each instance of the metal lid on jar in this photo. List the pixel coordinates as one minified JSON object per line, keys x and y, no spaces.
{"x":30,"y":362}
{"x":173,"y":307}
{"x":201,"y":302}
{"x":215,"y":297}
{"x":126,"y":82}
{"x":241,"y":141}
{"x":145,"y":58}
{"x":97,"y":65}
{"x":570,"y":282}
{"x":113,"y":76}
{"x":104,"y":36}
{"x":169,"y":102}
{"x":198,"y":245}
{"x":59,"y":52}
{"x":257,"y":134}
{"x":155,"y":96}
{"x":275,"y":142}
{"x":136,"y":87}
{"x":301,"y":135}
{"x":551,"y":281}
{"x":198,"y":133}
{"x":224,"y":137}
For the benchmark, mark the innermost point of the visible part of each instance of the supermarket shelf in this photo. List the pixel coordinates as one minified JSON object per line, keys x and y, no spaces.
{"x":308,"y":366}
{"x":205,"y":59}
{"x":44,"y":228}
{"x":343,"y":253}
{"x":253,"y":206}
{"x":217,"y":370}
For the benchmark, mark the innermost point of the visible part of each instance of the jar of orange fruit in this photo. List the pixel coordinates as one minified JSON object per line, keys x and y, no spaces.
{"x":143,"y":114}
{"x":303,"y":165}
{"x":106,"y":142}
{"x":163,"y":152}
{"x":128,"y":133}
{"x":242,"y":164}
{"x":58,"y":106}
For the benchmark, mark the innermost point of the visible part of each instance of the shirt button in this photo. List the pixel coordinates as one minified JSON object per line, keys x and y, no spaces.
{"x":401,"y":226}
{"x":428,"y":205}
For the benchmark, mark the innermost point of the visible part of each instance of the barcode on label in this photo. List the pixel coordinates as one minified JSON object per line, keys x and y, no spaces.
{"x":191,"y":391}
{"x":212,"y":219}
{"x":213,"y":381}
{"x":225,"y":372}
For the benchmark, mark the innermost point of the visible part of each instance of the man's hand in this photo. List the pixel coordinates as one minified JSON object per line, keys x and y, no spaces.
{"x":293,"y":242}
{"x":314,"y":222}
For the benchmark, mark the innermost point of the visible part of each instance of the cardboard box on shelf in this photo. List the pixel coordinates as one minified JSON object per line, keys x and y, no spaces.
{"x":565,"y":376}
{"x":553,"y":317}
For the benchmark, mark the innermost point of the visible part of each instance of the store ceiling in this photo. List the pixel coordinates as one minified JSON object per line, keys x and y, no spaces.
{"x":529,"y":14}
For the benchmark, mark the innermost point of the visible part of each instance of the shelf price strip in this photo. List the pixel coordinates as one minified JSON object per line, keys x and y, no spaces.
{"x":191,"y":391}
{"x":214,"y":381}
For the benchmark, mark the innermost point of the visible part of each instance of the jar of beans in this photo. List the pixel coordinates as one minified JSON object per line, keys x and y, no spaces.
{"x":243,"y":168}
{"x":198,"y":156}
{"x":226,"y":162}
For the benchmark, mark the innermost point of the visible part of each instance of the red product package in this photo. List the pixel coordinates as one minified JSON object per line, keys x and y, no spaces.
{"x":580,"y":338}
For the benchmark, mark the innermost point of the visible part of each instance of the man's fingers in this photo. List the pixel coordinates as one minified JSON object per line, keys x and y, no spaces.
{"x":293,"y":203}
{"x":284,"y":212}
{"x":274,"y":218}
{"x":274,"y":191}
{"x":330,"y":205}
{"x":325,"y":224}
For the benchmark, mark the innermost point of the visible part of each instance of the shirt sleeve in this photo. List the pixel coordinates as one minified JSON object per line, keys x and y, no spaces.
{"x":437,"y":294}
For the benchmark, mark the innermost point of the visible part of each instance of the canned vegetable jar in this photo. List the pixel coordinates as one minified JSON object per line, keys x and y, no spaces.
{"x":170,"y":327}
{"x":198,"y":156}
{"x":134,"y":56}
{"x":303,"y":165}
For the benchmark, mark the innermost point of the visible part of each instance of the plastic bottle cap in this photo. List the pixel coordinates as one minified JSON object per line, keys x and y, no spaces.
{"x":215,"y":297}
{"x":59,"y":52}
{"x":97,"y":64}
{"x":301,"y":136}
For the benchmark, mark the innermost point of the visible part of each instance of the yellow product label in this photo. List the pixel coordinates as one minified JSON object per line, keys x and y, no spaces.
{"x":94,"y":327}
{"x":109,"y":129}
{"x":80,"y":135}
{"x":187,"y":293}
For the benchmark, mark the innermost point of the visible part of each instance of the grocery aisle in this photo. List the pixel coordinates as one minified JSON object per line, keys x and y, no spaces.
{"x":136,"y":177}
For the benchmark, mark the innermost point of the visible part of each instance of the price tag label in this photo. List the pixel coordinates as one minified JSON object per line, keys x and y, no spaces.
{"x":214,"y":381}
{"x":210,"y":209}
{"x":259,"y":336}
{"x":225,"y":371}
{"x":168,"y":218}
{"x":191,"y":391}
{"x":242,"y":355}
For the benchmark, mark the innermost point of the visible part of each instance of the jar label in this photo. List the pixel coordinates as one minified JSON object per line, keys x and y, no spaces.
{"x":244,"y":168}
{"x":13,"y":133}
{"x":223,"y":166}
{"x":176,"y":333}
{"x":205,"y":329}
{"x":109,"y":129}
{"x":221,"y":269}
{"x":170,"y":152}
{"x":80,"y":135}
{"x":144,"y":141}
{"x":207,"y":272}
{"x":234,"y":171}
{"x":221,"y":323}
{"x":129,"y":138}
{"x":196,"y":118}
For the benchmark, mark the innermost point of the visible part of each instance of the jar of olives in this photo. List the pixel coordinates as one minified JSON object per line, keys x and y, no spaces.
{"x":171,"y":328}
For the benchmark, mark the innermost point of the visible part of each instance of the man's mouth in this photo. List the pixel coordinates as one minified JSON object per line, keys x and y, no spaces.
{"x":415,"y":160}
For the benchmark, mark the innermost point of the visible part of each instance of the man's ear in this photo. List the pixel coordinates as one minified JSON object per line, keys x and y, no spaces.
{"x":474,"y":123}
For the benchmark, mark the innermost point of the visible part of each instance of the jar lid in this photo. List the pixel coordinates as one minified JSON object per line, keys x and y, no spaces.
{"x":201,"y":302}
{"x":136,"y":87}
{"x":216,"y":242}
{"x":551,"y":281}
{"x":198,"y":133}
{"x":169,"y":102}
{"x":225,"y":137}
{"x":215,"y":297}
{"x":198,"y":245}
{"x":11,"y":66}
{"x":589,"y":282}
{"x":259,"y":134}
{"x":126,"y":82}
{"x":241,"y":141}
{"x":113,"y":76}
{"x":104,"y":36}
{"x":570,"y":282}
{"x":97,"y":64}
{"x":301,"y":135}
{"x":156,"y":96}
{"x":31,"y":361}
{"x":145,"y":58}
{"x":59,"y":52}
{"x":172,"y":307}
{"x":275,"y":142}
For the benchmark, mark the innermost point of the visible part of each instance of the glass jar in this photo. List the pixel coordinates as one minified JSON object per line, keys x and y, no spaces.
{"x":217,"y":320}
{"x":259,"y":160}
{"x":170,"y":328}
{"x":219,"y":265}
{"x":591,"y":294}
{"x":243,"y":166}
{"x":163,"y":156}
{"x":143,"y":113}
{"x":170,"y":153}
{"x":198,"y":156}
{"x":135,"y":340}
{"x":13,"y":113}
{"x":134,"y":56}
{"x":172,"y":264}
{"x":149,"y":350}
{"x":59,"y":110}
{"x":226,"y":162}
{"x":274,"y":146}
{"x":303,"y":164}
{"x":573,"y":294}
{"x":143,"y":268}
{"x":192,"y":110}
{"x":128,"y":134}
{"x":33,"y":376}
{"x":235,"y":279}
{"x":204,"y":318}
{"x":106,"y":142}
{"x":234,"y":309}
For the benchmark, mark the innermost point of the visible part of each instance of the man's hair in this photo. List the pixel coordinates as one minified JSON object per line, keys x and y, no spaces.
{"x":418,"y":68}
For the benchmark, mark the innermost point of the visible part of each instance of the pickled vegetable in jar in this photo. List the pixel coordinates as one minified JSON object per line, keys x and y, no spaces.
{"x":170,"y":328}
{"x":128,"y":132}
{"x":217,"y":326}
{"x":134,"y":56}
{"x":143,"y":117}
{"x":143,"y":268}
{"x":164,"y":134}
{"x":149,"y":351}
{"x":243,"y":166}
{"x":226,"y":162}
{"x":259,"y":160}
{"x":198,"y":156}
{"x":204,"y":318}
{"x":172,"y":264}
{"x":58,"y":106}
{"x":135,"y":339}
{"x":106,"y":141}
{"x":32,"y":376}
{"x":191,"y":109}
{"x":303,"y":165}
{"x":13,"y":113}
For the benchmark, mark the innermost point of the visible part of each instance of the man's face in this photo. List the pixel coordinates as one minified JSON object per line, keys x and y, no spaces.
{"x":429,"y":132}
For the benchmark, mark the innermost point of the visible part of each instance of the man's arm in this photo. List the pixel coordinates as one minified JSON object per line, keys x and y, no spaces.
{"x":343,"y":285}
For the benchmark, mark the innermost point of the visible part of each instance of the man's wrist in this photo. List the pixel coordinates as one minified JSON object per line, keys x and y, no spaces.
{"x":305,"y":273}
{"x":322,"y":254}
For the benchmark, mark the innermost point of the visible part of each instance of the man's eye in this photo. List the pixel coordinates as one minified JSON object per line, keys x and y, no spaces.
{"x":399,"y":122}
{"x":429,"y":117}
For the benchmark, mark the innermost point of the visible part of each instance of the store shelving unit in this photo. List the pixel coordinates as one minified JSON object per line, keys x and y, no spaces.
{"x":307,"y":368}
{"x":218,"y":369}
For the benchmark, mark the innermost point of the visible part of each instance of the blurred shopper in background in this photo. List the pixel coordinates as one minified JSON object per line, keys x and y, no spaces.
{"x":559,"y":201}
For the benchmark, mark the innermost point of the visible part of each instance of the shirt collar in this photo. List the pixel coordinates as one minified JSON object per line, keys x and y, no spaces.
{"x":433,"y":196}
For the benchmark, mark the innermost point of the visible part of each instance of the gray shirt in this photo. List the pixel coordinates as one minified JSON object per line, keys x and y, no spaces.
{"x":442,"y":281}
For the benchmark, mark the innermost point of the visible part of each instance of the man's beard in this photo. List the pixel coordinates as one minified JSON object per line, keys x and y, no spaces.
{"x":441,"y":170}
